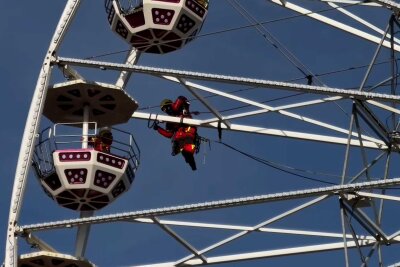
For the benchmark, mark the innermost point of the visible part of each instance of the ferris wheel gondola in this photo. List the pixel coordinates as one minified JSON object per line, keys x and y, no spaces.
{"x":157,"y":26}
{"x":86,"y":171}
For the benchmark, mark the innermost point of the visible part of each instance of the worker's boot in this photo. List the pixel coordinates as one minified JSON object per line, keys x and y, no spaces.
{"x":189,"y":158}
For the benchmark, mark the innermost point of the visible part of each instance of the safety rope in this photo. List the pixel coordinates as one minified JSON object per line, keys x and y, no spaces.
{"x":199,"y":140}
{"x":281,"y":167}
{"x":151,"y":122}
{"x":269,"y":37}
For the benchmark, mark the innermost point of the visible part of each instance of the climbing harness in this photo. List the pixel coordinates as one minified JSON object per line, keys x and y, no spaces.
{"x":151,"y":123}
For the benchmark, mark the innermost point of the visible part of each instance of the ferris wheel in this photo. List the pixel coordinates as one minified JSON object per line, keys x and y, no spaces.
{"x":291,"y":124}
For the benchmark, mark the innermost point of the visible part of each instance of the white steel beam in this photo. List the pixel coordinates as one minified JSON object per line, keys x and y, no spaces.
{"x":299,"y":194}
{"x":265,"y":108}
{"x":131,"y":59}
{"x":36,"y":242}
{"x":180,"y":240}
{"x":252,"y":229}
{"x":380,"y":196}
{"x":268,"y":253}
{"x":362,"y":21}
{"x":82,"y":235}
{"x":383,"y":106}
{"x":281,"y":110}
{"x":31,"y":130}
{"x":394,"y":265}
{"x":312,"y":89}
{"x":389,"y":4}
{"x":247,"y":228}
{"x":69,"y":73}
{"x":352,"y":2}
{"x":395,"y":236}
{"x":336,"y":24}
{"x":265,"y":131}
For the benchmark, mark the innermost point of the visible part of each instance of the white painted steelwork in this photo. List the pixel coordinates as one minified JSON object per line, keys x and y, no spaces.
{"x":349,"y":137}
{"x":265,"y":131}
{"x":322,"y":191}
{"x":351,"y":94}
{"x":248,"y":228}
{"x":266,"y":254}
{"x":31,"y":129}
{"x":131,"y":59}
{"x":362,"y":21}
{"x":336,"y":24}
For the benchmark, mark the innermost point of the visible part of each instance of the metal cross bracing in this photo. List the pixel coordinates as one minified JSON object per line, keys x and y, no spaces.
{"x":366,"y":131}
{"x":198,"y":257}
{"x":340,"y":25}
{"x":322,"y":191}
{"x":177,"y":76}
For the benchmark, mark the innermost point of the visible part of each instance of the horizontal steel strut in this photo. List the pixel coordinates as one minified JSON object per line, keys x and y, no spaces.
{"x":375,"y":144}
{"x":330,"y":190}
{"x":389,"y":4}
{"x":351,"y":94}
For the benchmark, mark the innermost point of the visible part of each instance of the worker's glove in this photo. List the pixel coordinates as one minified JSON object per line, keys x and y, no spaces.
{"x":155,"y":127}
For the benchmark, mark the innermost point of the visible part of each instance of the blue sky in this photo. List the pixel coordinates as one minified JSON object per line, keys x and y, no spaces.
{"x":162,"y":180}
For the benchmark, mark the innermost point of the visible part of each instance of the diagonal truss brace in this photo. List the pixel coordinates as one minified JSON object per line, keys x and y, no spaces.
{"x":362,"y":21}
{"x":179,"y":239}
{"x":254,"y":228}
{"x":205,"y":103}
{"x":340,"y":25}
{"x":380,"y":196}
{"x":363,"y":219}
{"x":280,"y":109}
{"x":36,"y":242}
{"x":372,"y":120}
{"x":268,"y":253}
{"x":244,"y":228}
{"x":131,"y":59}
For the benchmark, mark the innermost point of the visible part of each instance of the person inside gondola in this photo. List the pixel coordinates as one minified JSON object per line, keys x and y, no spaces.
{"x":132,"y":7}
{"x":102,"y":141}
{"x":183,"y":136}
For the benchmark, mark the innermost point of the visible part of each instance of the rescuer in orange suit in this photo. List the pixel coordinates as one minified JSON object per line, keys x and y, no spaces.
{"x":183,"y":136}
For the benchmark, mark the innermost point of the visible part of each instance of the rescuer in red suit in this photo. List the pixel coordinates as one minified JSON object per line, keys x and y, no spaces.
{"x":183,"y":136}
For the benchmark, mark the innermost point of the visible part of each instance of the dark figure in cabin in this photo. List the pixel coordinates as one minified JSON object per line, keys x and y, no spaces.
{"x":102,"y":141}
